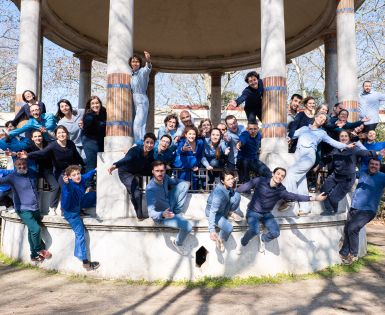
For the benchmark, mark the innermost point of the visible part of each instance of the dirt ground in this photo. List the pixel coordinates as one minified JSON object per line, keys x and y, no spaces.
{"x":35,"y":292}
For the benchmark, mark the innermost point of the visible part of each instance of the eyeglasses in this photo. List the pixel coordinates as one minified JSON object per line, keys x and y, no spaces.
{"x":224,"y":129}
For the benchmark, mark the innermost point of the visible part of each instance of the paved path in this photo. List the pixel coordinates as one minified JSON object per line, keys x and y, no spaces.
{"x":34,"y":292}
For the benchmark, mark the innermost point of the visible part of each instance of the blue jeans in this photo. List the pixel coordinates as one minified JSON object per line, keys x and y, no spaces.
{"x":225,"y":227}
{"x":141,"y":105}
{"x":177,"y":198}
{"x":336,"y":188}
{"x":355,"y":221}
{"x":253,"y":220}
{"x":246,"y":165}
{"x":91,"y":149}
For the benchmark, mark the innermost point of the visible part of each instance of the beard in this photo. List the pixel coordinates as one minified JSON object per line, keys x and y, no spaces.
{"x":22,"y":172}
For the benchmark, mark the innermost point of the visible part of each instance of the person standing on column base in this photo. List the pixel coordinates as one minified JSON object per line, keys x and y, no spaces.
{"x":267,"y":192}
{"x":365,"y":203}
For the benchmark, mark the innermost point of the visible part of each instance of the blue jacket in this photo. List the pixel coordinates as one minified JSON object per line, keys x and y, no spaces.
{"x":218,"y":203}
{"x":24,"y":187}
{"x":25,"y":111}
{"x":252,"y":98}
{"x":47,"y":120}
{"x":15,"y":144}
{"x":232,"y":143}
{"x":209,"y":152}
{"x":250,"y":146}
{"x":369,"y":191}
{"x":265,"y":197}
{"x":5,"y":187}
{"x":134,"y":161}
{"x":72,"y":193}
{"x":189,"y":159}
{"x":157,"y":196}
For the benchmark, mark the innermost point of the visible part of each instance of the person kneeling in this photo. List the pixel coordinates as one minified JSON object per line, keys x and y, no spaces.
{"x":220,"y":204}
{"x":267,"y":192}
{"x":73,"y":199}
{"x":165,"y":204}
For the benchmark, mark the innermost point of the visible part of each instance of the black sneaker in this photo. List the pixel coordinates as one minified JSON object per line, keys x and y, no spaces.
{"x":92,"y":265}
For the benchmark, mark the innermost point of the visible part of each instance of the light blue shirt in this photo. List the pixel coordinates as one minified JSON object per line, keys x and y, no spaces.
{"x":311,"y":138}
{"x":233,"y":140}
{"x":47,"y":120}
{"x":369,"y":106}
{"x":140,"y":78}
{"x":369,"y":191}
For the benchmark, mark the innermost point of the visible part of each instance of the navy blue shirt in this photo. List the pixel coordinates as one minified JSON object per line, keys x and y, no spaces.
{"x":250,"y":146}
{"x":265,"y":197}
{"x":300,"y":120}
{"x":94,"y":127}
{"x":135,"y":162}
{"x":252,"y":98}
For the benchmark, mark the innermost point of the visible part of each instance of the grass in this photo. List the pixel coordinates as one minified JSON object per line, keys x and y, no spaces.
{"x":374,"y":254}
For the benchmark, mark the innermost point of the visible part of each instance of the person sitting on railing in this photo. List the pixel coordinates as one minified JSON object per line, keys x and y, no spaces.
{"x":205,"y":127}
{"x":45,"y":122}
{"x":343,"y":172}
{"x":222,"y":203}
{"x":267,"y":192}
{"x":136,"y":163}
{"x":165,"y":204}
{"x":189,"y":155}
{"x":248,"y":155}
{"x":214,"y":154}
{"x":25,"y":197}
{"x":73,"y":198}
{"x":231,"y":137}
{"x":171,"y":128}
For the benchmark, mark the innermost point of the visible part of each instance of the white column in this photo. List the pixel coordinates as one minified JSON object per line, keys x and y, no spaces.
{"x":150,"y":126}
{"x":216,"y":98}
{"x":29,"y":49}
{"x":331,"y":66}
{"x":273,"y":58}
{"x":84,"y":78}
{"x":347,"y":62}
{"x":112,"y":197}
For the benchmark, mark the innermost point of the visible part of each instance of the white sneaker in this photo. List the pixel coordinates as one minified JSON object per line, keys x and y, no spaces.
{"x":220,"y":245}
{"x":235,"y":217}
{"x":51,"y":211}
{"x":262,"y":247}
{"x":11,"y":210}
{"x":178,"y":248}
{"x":240,"y":249}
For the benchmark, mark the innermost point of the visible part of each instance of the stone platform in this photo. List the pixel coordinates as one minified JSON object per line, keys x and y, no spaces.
{"x":136,"y":250}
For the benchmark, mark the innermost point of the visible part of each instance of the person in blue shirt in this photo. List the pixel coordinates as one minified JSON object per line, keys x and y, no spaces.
{"x":365,"y":202}
{"x":369,"y":105}
{"x":14,"y":144}
{"x":137,"y":162}
{"x":26,"y":201}
{"x":251,"y":96}
{"x":165,"y":204}
{"x":163,"y":150}
{"x":170,"y":127}
{"x":46,"y":123}
{"x":139,"y":83}
{"x":342,"y":172}
{"x":248,"y":155}
{"x":189,"y":155}
{"x":371,"y":144}
{"x":231,"y":137}
{"x":222,"y":202}
{"x":214,"y":154}
{"x":73,"y":198}
{"x":24,"y":113}
{"x":267,"y":192}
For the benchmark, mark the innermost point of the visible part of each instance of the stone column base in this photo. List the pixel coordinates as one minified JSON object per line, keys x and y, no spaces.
{"x":113,"y":201}
{"x":274,"y":153}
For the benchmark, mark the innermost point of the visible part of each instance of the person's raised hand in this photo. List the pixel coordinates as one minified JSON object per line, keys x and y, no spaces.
{"x":321,"y":197}
{"x":111,"y":169}
{"x":213,"y":236}
{"x":65,"y":179}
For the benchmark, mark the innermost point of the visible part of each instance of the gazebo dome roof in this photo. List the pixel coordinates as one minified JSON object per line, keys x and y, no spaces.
{"x":188,"y":36}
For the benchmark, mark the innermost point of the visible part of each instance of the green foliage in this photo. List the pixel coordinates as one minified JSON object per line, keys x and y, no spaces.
{"x":227,"y":96}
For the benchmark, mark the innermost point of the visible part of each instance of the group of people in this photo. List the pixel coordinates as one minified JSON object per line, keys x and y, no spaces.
{"x":58,"y":148}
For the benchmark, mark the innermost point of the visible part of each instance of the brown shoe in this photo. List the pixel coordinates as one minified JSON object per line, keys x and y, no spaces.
{"x":45,"y":254}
